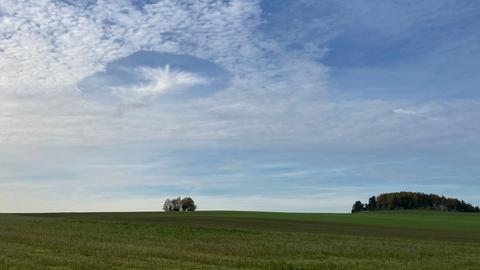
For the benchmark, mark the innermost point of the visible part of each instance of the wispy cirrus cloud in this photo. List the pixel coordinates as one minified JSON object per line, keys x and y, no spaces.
{"x":159,"y":82}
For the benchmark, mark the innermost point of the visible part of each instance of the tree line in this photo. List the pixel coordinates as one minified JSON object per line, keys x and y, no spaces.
{"x":179,"y":204}
{"x":413,"y":200}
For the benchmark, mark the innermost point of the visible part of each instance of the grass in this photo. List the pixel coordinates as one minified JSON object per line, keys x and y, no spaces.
{"x":240,"y":240}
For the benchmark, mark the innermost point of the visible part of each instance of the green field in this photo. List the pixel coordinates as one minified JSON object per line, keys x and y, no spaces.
{"x":240,"y":240}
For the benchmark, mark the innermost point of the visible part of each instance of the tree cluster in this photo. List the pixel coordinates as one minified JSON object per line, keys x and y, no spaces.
{"x":179,"y":204}
{"x":413,"y":200}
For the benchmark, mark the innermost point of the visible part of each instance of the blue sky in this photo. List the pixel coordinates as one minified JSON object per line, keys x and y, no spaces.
{"x":246,"y":105}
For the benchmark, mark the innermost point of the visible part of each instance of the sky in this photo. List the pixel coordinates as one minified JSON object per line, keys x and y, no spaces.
{"x":267,"y":105}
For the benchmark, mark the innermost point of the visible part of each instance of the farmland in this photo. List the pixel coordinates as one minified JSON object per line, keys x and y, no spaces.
{"x":240,"y":240}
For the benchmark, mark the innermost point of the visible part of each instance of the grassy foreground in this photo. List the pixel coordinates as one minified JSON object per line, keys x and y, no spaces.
{"x":240,"y":240}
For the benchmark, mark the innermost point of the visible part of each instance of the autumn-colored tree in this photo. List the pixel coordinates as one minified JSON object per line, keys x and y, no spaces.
{"x":188,"y":204}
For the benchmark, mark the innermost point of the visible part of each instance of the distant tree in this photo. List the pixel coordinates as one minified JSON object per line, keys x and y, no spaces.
{"x":188,"y":204}
{"x":357,"y":207}
{"x":372,"y":204}
{"x":415,"y":200}
{"x":179,"y":204}
{"x":168,"y":205}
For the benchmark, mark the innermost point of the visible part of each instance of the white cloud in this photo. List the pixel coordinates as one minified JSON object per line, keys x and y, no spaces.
{"x":49,"y":46}
{"x":275,"y":97}
{"x":404,"y":111}
{"x":160,"y":81}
